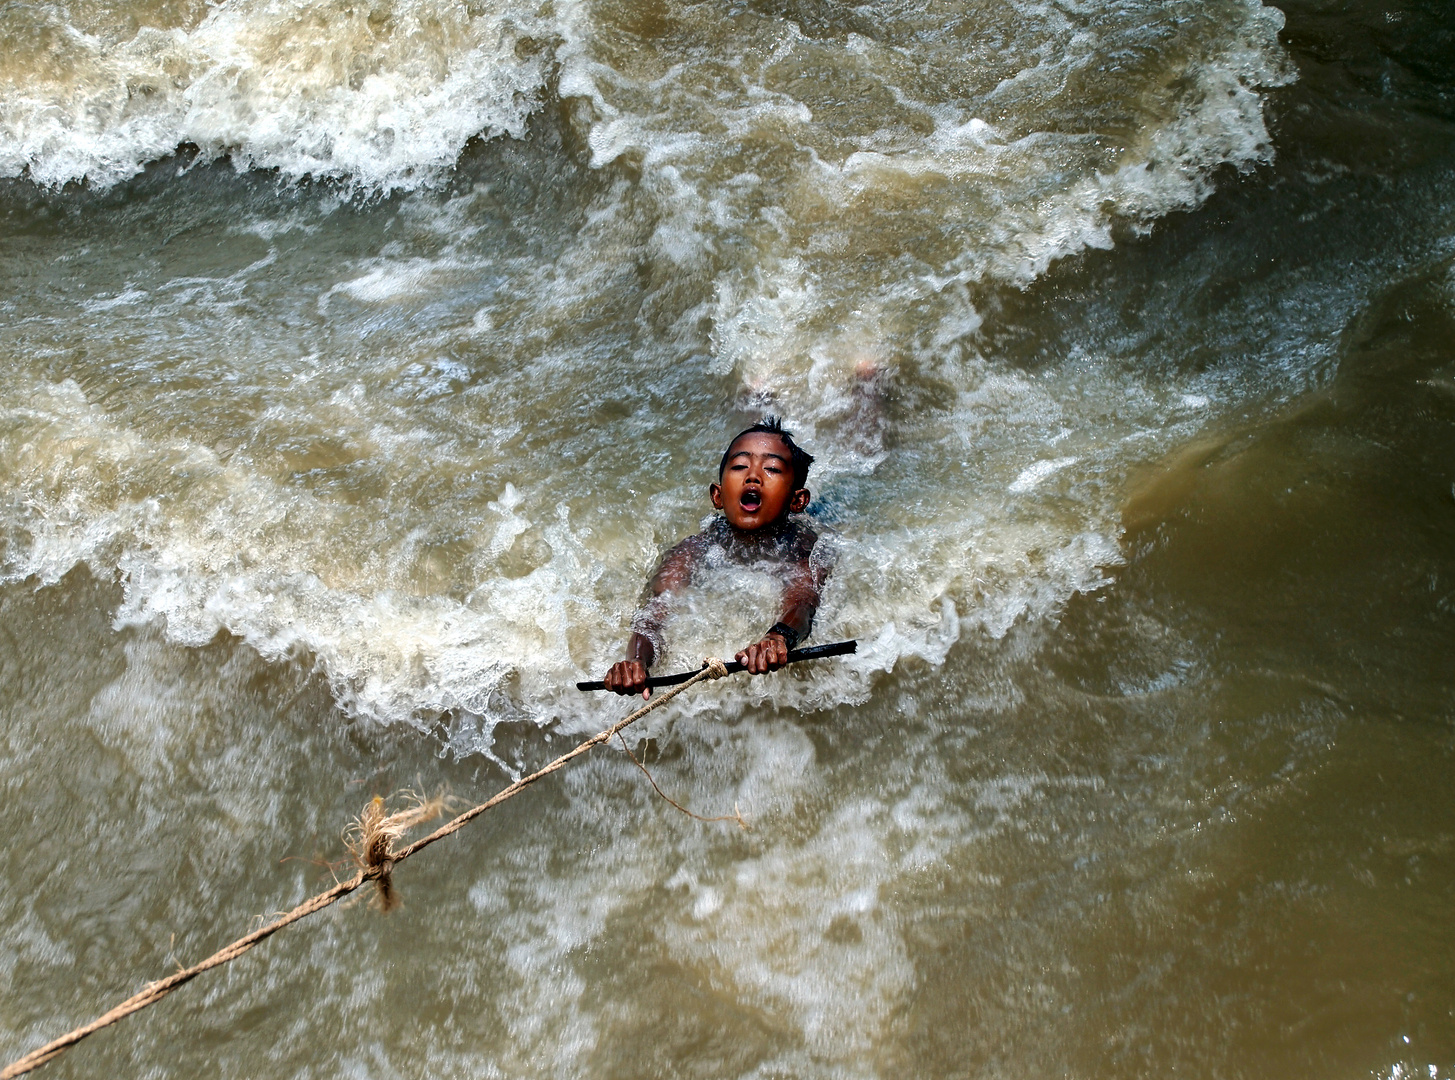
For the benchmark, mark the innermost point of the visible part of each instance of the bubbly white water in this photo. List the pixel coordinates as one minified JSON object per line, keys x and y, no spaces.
{"x":816,"y":212}
{"x":379,"y":95}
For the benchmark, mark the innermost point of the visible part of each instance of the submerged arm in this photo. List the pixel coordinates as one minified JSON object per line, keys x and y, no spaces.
{"x":629,"y":676}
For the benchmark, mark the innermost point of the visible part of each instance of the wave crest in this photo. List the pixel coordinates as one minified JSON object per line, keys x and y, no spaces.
{"x":383,"y":95}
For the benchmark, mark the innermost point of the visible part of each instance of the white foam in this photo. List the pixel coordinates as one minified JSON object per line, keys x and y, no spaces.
{"x":389,"y":281}
{"x":1019,"y":194}
{"x":381,"y":96}
{"x":1031,"y":476}
{"x":126,"y":296}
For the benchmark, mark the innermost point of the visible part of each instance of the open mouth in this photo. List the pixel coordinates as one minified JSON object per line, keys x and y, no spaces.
{"x":750,"y":500}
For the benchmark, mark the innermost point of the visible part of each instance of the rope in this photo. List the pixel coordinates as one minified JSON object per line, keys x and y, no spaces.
{"x":378,"y":871}
{"x":736,"y":815}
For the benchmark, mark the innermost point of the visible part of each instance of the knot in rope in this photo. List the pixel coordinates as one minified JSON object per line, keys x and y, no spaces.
{"x":716,"y":669}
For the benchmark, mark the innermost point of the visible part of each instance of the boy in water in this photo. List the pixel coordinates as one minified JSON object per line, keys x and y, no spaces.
{"x":760,"y":483}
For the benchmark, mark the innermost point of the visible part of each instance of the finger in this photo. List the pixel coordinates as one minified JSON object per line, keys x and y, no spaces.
{"x":646,"y":693}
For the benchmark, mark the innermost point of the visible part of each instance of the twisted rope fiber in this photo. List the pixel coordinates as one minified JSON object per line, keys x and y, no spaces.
{"x":155,"y":991}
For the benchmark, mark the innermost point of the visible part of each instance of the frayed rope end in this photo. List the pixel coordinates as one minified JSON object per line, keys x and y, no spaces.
{"x":370,"y":837}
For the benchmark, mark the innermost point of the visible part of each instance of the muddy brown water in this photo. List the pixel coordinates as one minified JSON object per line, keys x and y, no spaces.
{"x":357,"y":362}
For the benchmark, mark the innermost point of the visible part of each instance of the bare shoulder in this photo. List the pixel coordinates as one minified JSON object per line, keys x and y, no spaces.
{"x":689,"y":547}
{"x":809,"y":534}
{"x":814,"y":544}
{"x":675,"y":569}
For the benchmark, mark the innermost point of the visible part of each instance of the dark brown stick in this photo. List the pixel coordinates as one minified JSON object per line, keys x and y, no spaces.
{"x":813,"y":652}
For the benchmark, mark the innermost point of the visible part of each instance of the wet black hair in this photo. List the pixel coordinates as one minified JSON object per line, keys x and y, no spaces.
{"x":800,"y":458}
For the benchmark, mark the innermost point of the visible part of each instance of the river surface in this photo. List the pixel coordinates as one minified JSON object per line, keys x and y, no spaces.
{"x":359,"y":359}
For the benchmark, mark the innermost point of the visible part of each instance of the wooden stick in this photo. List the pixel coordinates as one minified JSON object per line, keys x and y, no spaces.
{"x":813,"y":652}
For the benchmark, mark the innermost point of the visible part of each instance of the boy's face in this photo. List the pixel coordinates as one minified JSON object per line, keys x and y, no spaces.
{"x":756,"y":487}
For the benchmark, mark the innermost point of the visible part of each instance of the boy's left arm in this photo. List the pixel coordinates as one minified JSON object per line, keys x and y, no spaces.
{"x":801,"y":592}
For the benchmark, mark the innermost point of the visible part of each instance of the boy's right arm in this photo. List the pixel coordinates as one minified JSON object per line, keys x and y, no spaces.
{"x":629,"y":676}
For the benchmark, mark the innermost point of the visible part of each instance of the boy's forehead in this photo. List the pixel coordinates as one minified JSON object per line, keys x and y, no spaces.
{"x":760,"y":442}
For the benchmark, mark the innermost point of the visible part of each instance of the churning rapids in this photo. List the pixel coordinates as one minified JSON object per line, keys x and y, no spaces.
{"x":359,"y":359}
